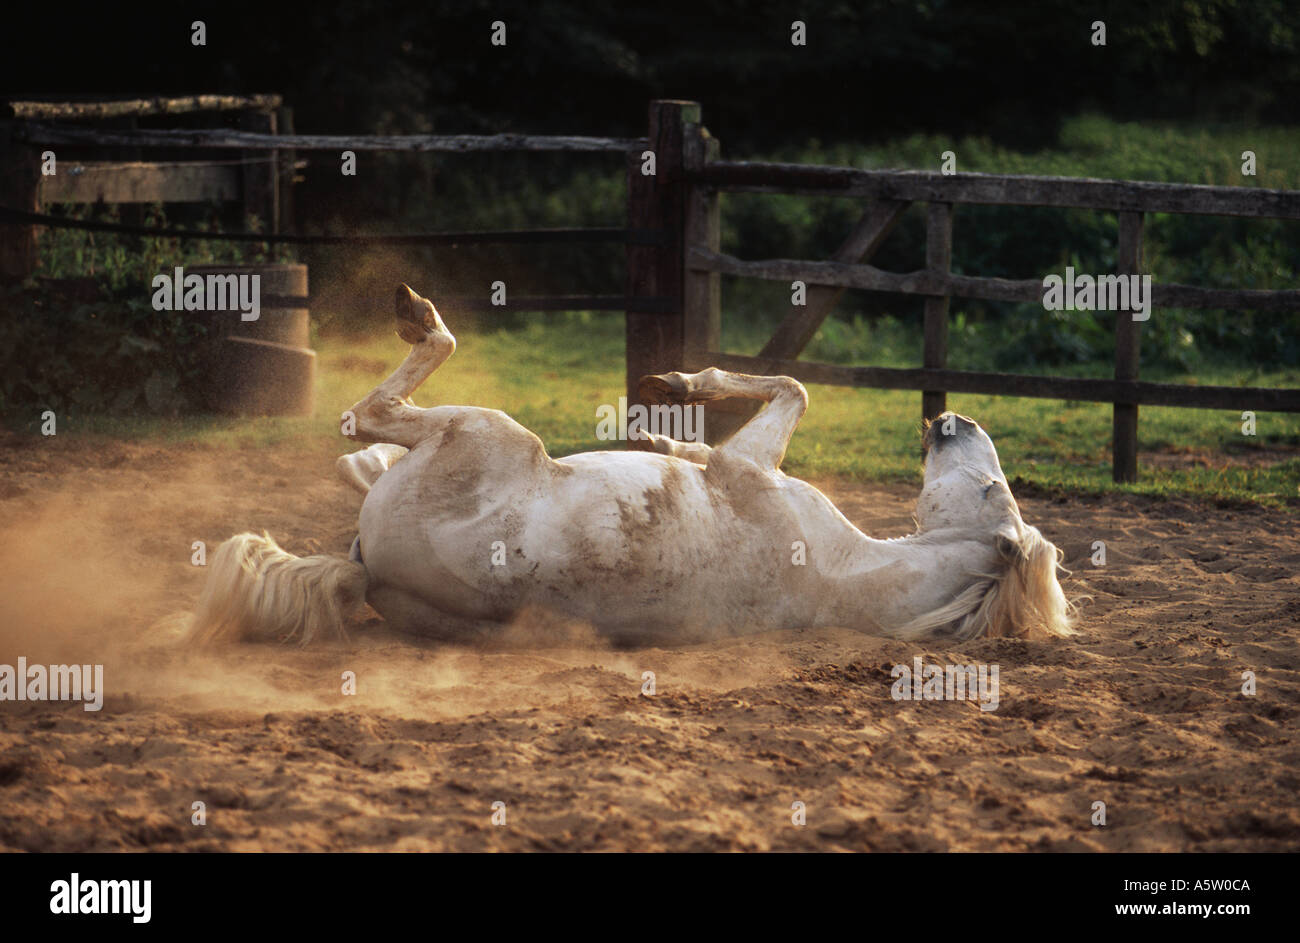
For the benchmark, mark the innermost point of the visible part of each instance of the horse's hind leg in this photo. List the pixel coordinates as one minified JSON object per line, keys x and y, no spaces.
{"x":762,"y":440}
{"x":386,"y":414}
{"x":362,"y":469}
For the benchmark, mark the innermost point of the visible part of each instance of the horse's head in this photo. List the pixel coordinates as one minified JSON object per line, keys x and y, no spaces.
{"x":964,"y":484}
{"x":966,"y":492}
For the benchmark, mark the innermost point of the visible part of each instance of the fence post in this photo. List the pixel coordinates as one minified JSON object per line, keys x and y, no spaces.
{"x":1127,"y":350}
{"x":703,"y":290}
{"x":261,"y":179}
{"x":702,"y":227}
{"x":20,"y":177}
{"x":286,"y":170}
{"x":656,"y":340}
{"x":938,"y":258}
{"x":132,"y":214}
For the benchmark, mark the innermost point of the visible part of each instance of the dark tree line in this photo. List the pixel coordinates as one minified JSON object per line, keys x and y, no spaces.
{"x":1005,"y":68}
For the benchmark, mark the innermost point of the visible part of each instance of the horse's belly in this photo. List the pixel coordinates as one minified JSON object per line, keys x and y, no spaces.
{"x":632,"y":543}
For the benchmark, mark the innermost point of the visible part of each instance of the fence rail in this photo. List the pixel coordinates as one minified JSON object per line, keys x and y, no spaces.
{"x":1083,"y":389}
{"x":1000,"y":189}
{"x":48,"y":134}
{"x":938,"y":283}
{"x":140,"y":107}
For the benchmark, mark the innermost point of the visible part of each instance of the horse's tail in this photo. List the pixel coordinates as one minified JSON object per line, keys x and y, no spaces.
{"x":257,"y":591}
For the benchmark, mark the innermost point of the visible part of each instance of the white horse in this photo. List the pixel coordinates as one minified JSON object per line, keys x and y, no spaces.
{"x":467,"y":521}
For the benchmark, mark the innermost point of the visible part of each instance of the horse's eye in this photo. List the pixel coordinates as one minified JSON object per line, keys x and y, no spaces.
{"x":988,"y":488}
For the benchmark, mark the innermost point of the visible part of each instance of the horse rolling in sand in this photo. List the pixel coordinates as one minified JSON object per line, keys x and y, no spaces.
{"x":467,"y":521}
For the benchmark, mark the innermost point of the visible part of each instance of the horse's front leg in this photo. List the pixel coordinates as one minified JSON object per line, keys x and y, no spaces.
{"x":386,"y":414}
{"x":696,"y":452}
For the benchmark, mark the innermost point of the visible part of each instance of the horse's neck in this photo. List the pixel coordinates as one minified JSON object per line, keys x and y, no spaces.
{"x":879,"y":584}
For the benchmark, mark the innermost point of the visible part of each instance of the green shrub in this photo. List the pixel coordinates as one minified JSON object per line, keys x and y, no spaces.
{"x":95,"y":344}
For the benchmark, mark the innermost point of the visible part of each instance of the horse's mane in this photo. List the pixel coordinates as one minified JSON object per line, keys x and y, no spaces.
{"x":1023,"y":599}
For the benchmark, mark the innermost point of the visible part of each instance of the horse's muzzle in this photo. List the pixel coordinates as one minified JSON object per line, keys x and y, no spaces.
{"x":943,"y":429}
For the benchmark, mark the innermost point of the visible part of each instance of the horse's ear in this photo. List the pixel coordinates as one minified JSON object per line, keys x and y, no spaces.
{"x":1008,"y":543}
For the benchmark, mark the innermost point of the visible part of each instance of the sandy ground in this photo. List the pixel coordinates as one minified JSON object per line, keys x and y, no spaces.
{"x":1143,"y":712}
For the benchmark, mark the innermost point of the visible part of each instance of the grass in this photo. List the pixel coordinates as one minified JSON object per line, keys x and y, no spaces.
{"x":553,"y":374}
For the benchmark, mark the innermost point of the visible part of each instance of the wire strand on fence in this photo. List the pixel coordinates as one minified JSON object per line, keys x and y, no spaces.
{"x":495,"y":237}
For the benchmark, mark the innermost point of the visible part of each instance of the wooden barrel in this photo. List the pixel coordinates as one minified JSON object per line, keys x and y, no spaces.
{"x":262,"y":367}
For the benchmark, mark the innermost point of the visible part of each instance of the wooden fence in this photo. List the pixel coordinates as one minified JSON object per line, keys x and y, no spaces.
{"x":672,"y":296}
{"x":261,"y":181}
{"x":264,"y":183}
{"x":688,"y":201}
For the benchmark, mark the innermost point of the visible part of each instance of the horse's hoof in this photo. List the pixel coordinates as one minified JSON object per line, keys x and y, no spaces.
{"x":411,"y":333}
{"x":416,"y":317}
{"x":663,"y":388}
